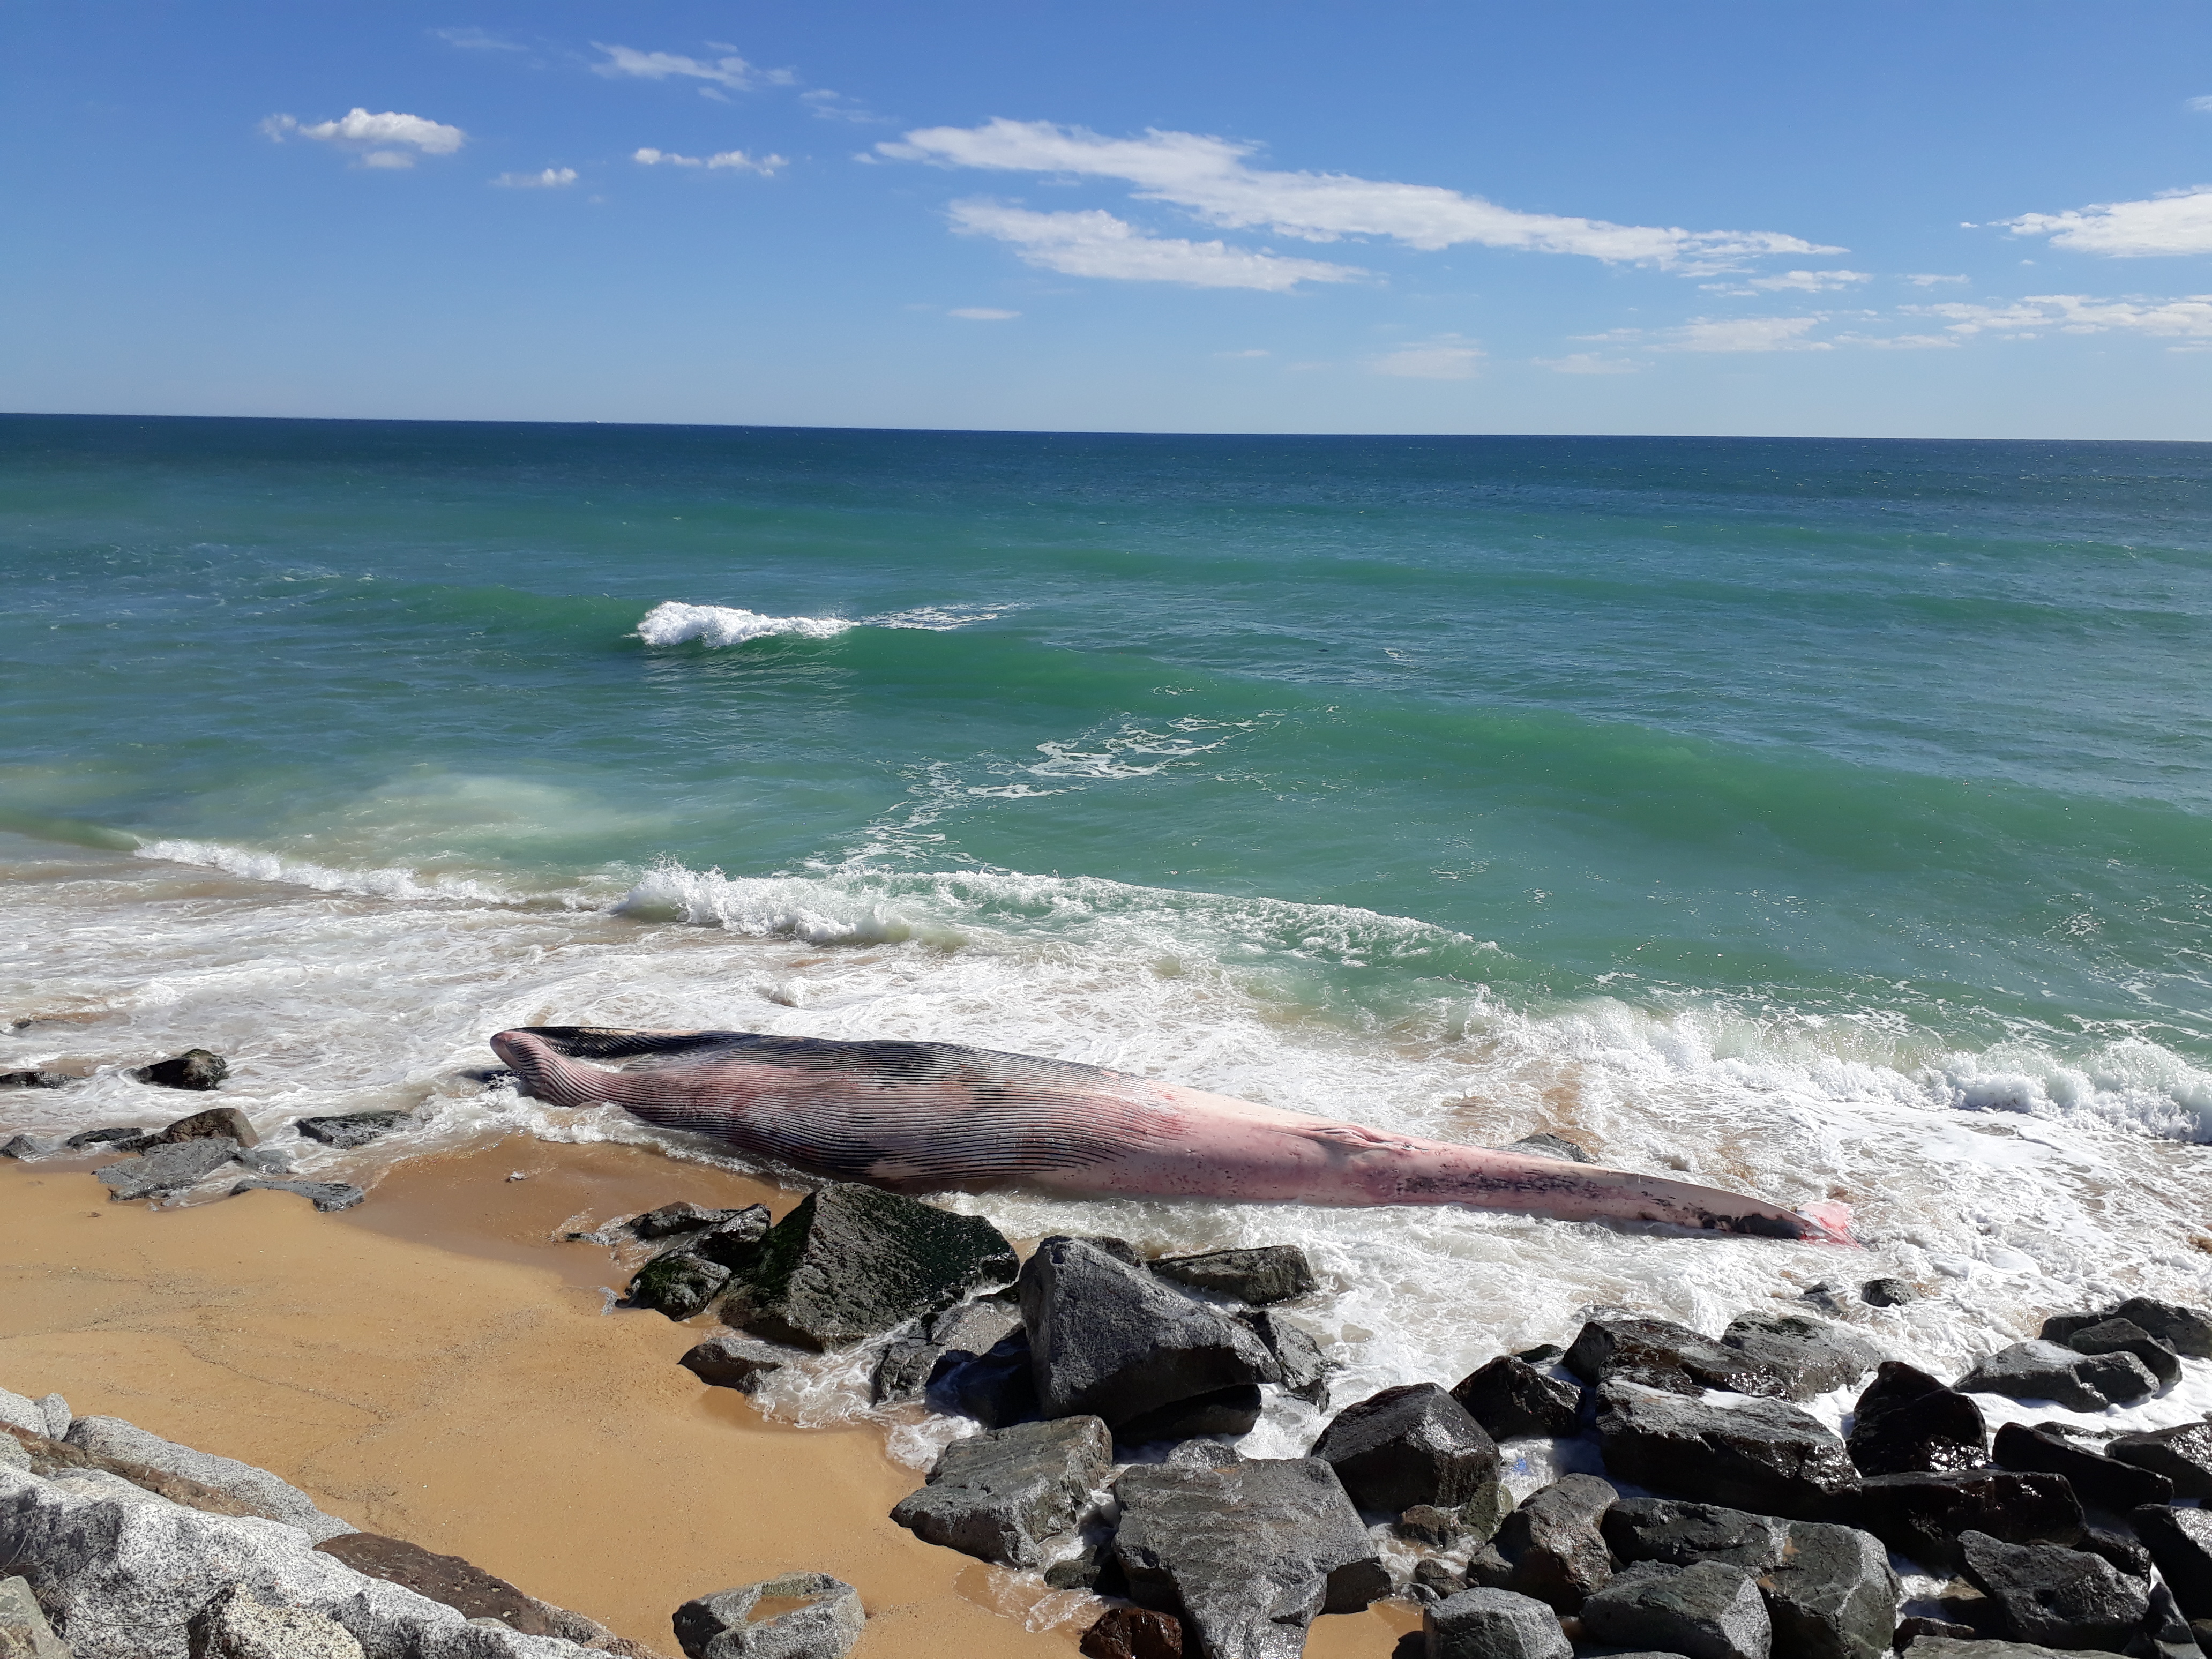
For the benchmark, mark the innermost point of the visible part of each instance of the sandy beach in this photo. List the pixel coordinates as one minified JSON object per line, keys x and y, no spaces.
{"x":435,"y":1365}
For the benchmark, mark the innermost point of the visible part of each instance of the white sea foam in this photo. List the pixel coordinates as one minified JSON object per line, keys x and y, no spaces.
{"x":389,"y":883}
{"x":676,"y":622}
{"x":331,"y":996}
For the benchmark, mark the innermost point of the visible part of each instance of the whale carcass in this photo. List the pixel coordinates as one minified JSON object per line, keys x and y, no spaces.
{"x":933,"y":1116}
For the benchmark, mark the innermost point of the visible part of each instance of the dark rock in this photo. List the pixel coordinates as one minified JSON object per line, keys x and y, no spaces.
{"x":325,"y":1195}
{"x":1488,"y":1569}
{"x":2166,"y":1632}
{"x":1078,"y":1571}
{"x":975,"y":1326}
{"x":1424,"y":1523}
{"x":998,"y":1388}
{"x":1944,"y":1647}
{"x":2123,"y":1549}
{"x":1248,"y":1554}
{"x":1833,"y":1595}
{"x":1910,"y":1629}
{"x":167,"y":1169}
{"x":1810,"y":1356}
{"x":1511,"y":1398}
{"x":267,"y":1160}
{"x":1133,"y":1634}
{"x":1231,"y":1412}
{"x":1763,"y":1454}
{"x":999,"y":1495}
{"x":351,"y":1128}
{"x":30,"y":1146}
{"x":2060,"y":1598}
{"x":1439,"y":1577}
{"x":110,"y":1135}
{"x":1921,"y":1515}
{"x":1555,"y":1543}
{"x":852,"y":1262}
{"x":1542,"y":1354}
{"x":1550,"y":1145}
{"x":1493,"y":1624}
{"x":1203,"y":1452}
{"x":1111,"y":1340}
{"x":2096,"y":1478}
{"x":1888,"y":1293}
{"x":1119,"y":1249}
{"x":734,"y":1362}
{"x":902,"y":1370}
{"x":2059,"y":1327}
{"x":1667,"y":1530}
{"x":2185,"y":1330}
{"x":1660,"y":1354}
{"x":679,"y":1218}
{"x":195,"y":1068}
{"x":2126,"y":1336}
{"x":1414,"y":1444}
{"x":2181,"y":1453}
{"x":1906,"y":1423}
{"x":1305,"y":1369}
{"x":2044,"y":1370}
{"x":677,"y":1284}
{"x":1708,"y":1611}
{"x":460,"y":1584}
{"x":2180,"y":1541}
{"x":1273,"y":1272}
{"x":826,"y":1622}
{"x":734,"y":1242}
{"x":217,"y":1123}
{"x":36,"y":1079}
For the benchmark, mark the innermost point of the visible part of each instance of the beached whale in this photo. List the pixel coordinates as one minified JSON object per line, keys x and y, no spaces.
{"x":932,"y":1116}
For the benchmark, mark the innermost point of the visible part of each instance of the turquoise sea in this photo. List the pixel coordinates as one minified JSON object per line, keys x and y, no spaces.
{"x":1825,"y":817}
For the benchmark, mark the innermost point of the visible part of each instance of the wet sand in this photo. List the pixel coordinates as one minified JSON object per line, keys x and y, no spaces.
{"x":436,"y":1366}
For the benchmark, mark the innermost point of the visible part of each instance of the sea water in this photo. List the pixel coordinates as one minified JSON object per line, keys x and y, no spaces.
{"x":1825,"y":820}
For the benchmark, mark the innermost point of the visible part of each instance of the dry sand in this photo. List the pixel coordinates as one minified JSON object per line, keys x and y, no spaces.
{"x":435,"y":1365}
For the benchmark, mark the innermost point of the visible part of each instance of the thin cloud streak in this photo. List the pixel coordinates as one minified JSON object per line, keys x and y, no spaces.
{"x":1094,"y":243}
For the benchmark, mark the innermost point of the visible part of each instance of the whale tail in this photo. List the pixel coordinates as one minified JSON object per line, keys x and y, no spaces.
{"x":543,"y":1073}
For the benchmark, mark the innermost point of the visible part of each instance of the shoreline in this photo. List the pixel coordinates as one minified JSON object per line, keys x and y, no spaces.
{"x":435,"y":1365}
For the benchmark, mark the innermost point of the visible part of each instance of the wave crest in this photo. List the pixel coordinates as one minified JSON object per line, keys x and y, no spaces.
{"x":674,"y":622}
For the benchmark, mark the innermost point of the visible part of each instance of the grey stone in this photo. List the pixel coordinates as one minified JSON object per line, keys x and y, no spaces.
{"x":168,"y":1169}
{"x":950,"y":1339}
{"x":13,"y":1453}
{"x":2061,"y":1597}
{"x":24,"y":1631}
{"x":1271,"y":1273}
{"x":1670,"y":1531}
{"x":1708,"y":1611}
{"x":2126,"y":1336}
{"x":26,"y":1414}
{"x":1231,"y":1412}
{"x":266,"y":1159}
{"x":683,"y":1217}
{"x":1555,"y":1543}
{"x":2123,"y":1549}
{"x":2185,"y":1330}
{"x":997,"y":1388}
{"x":2181,"y":1453}
{"x":1111,"y":1340}
{"x":238,"y":1624}
{"x":1661,"y":1354}
{"x":1248,"y":1554}
{"x":975,"y":1326}
{"x":111,"y":1436}
{"x":1762,"y":1454}
{"x":2044,"y":1370}
{"x":195,"y":1068}
{"x":1408,"y":1445}
{"x":217,"y":1123}
{"x":123,"y":1573}
{"x":1305,"y":1369}
{"x":826,"y":1626}
{"x":1493,"y":1624}
{"x":851,"y":1263}
{"x":34,"y":1078}
{"x":1811,"y":1356}
{"x":2180,"y":1541}
{"x":1205,"y":1454}
{"x":30,"y":1147}
{"x":1544,"y":1145}
{"x":2096,"y":1478}
{"x":734,"y":1242}
{"x":1833,"y":1595}
{"x":677,"y":1284}
{"x":1907,"y":1423}
{"x":999,"y":1495}
{"x":117,"y":1136}
{"x":902,"y":1370}
{"x":58,"y":1416}
{"x":1949,"y":1647}
{"x":734,"y":1362}
{"x":352,"y":1128}
{"x":1510,"y":1399}
{"x":1923,"y":1516}
{"x":325,"y":1195}
{"x":1888,"y":1293}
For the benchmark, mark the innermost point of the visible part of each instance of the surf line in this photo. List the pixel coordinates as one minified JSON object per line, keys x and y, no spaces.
{"x":920,"y":1117}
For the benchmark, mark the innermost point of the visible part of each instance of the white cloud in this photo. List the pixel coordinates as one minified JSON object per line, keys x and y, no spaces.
{"x":729,"y":161}
{"x":372,"y":135}
{"x":1209,"y":177}
{"x":1097,"y":244}
{"x":1898,"y":341}
{"x":1922,"y":279}
{"x":1254,"y":352}
{"x":2204,"y":106}
{"x":1746,"y":334}
{"x":476,"y":39}
{"x":731,"y":71}
{"x":2179,"y":222}
{"x":1810,"y":282}
{"x":2188,"y":317}
{"x":835,"y":107}
{"x":550,"y":178}
{"x":1589,"y":362}
{"x":1447,"y":357}
{"x":983,"y":314}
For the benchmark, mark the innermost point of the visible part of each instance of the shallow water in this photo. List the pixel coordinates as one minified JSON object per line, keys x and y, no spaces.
{"x":1820,"y":819}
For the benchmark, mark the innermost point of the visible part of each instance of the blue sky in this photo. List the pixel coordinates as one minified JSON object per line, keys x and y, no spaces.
{"x":1879,"y":219}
